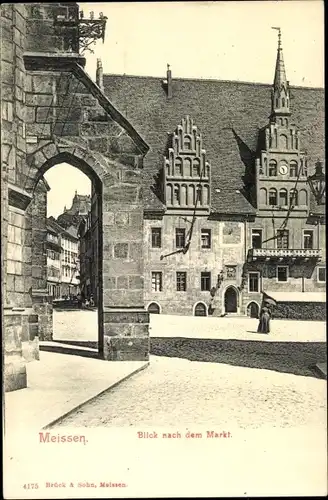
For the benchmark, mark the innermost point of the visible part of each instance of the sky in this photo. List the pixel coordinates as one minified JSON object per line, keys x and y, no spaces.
{"x":220,"y":40}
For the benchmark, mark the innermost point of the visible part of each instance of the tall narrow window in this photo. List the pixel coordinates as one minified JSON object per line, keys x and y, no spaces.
{"x":176,"y":194}
{"x":156,"y":237}
{"x":283,"y":239}
{"x":187,"y":142}
{"x":181,"y":281}
{"x":273,"y":197}
{"x":178,"y":167}
{"x":180,"y":237}
{"x":293,"y":197}
{"x":256,"y":238}
{"x":272,"y":168}
{"x":283,"y":197}
{"x":293,"y":170}
{"x":308,"y":239}
{"x":156,"y":281}
{"x":254,"y":282}
{"x":196,"y":167}
{"x":282,"y":273}
{"x":205,"y":281}
{"x":322,"y":274}
{"x":206,"y":238}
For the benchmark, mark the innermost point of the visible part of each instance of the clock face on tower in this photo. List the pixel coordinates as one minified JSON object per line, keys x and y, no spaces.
{"x":283,"y":169}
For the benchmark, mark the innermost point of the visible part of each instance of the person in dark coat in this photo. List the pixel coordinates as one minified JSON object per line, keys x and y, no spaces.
{"x":264,"y":323}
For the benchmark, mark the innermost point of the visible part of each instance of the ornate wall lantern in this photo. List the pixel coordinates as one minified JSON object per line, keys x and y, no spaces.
{"x":317,"y":183}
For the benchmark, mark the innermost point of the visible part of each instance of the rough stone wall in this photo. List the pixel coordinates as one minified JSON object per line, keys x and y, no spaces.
{"x":13,"y":150}
{"x":312,"y":311}
{"x":42,"y":34}
{"x":65,"y":122}
{"x":14,"y":230}
{"x":42,"y":103}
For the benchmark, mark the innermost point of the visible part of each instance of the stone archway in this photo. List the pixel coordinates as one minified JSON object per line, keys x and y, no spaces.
{"x":123,"y":334}
{"x":62,"y":115}
{"x":230,"y":300}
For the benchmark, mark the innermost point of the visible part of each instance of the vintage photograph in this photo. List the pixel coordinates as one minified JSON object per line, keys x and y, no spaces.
{"x":163,"y":249}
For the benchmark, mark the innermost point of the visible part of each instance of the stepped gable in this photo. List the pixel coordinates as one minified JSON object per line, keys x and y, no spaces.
{"x":230,"y":115}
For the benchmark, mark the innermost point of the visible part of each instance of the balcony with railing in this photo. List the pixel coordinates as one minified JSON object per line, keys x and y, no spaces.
{"x":284,"y":253}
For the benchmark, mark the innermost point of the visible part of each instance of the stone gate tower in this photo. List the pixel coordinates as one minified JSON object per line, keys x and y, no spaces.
{"x":53,"y":112}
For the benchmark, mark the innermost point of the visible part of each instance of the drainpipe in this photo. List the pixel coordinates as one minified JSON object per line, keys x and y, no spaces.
{"x":245,"y":238}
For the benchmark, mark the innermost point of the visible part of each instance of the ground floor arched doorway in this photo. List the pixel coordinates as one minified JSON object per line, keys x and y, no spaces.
{"x":200,"y":309}
{"x":253,"y":310}
{"x":230,"y":300}
{"x":154,"y":308}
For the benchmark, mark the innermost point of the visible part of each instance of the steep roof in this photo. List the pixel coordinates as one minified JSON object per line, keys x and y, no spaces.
{"x":229,"y":114}
{"x":54,"y":227}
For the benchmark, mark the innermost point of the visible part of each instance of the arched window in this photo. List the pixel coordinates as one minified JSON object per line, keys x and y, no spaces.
{"x":184,"y":194}
{"x":188,"y":167}
{"x":283,"y":102}
{"x":263,"y":196}
{"x":272,"y":168}
{"x":293,"y":170}
{"x":154,"y":308}
{"x":196,"y":168}
{"x":283,"y":200}
{"x":200,"y":309}
{"x":287,"y":107}
{"x":283,"y":141}
{"x":176,"y":194}
{"x":168,"y":168}
{"x":293,"y":197}
{"x":302,"y":197}
{"x":192,"y":194}
{"x":199,"y":194}
{"x":187,"y":142}
{"x":273,"y":197}
{"x":169,"y":194}
{"x":206,"y":194}
{"x":277,"y":102}
{"x":178,"y":167}
{"x":305,"y":168}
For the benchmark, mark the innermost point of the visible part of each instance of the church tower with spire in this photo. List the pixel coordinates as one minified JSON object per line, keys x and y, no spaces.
{"x":281,"y":166}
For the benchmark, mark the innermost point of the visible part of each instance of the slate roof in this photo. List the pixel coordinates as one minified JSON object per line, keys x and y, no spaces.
{"x":229,"y":115}
{"x":54,"y":227}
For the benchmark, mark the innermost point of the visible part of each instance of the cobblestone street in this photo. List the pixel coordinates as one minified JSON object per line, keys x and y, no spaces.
{"x":191,"y":380}
{"x":177,"y":391}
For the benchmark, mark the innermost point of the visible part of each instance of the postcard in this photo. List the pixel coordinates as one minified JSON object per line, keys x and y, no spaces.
{"x":163,"y":249}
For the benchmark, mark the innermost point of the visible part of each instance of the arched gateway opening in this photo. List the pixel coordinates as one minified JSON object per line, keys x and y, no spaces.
{"x":67,"y":254}
{"x":72,"y":255}
{"x":230,"y":300}
{"x":113,"y":230}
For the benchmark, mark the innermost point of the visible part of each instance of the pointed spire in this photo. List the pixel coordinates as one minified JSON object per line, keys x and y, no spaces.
{"x":280,"y":91}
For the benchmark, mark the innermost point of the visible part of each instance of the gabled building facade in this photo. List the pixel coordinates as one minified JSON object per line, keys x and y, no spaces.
{"x":228,"y":211}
